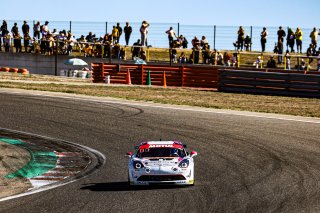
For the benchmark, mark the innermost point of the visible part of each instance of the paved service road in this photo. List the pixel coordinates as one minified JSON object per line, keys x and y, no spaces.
{"x":245,"y":163}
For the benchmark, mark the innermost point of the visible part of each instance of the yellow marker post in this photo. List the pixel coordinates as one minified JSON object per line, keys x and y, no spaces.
{"x":238,"y":60}
{"x":285,"y":62}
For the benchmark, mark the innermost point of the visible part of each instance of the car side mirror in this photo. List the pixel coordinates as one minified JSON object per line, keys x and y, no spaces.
{"x":129,"y":154}
{"x":193,"y":154}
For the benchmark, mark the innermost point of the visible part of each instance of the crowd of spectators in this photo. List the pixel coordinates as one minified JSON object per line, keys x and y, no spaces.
{"x":49,"y":42}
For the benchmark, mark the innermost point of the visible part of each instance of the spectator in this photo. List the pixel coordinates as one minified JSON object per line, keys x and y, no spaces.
{"x":115,"y":34}
{"x":36,"y":30}
{"x":264,"y":36}
{"x":7,"y":40}
{"x":25,"y":28}
{"x":144,"y":30}
{"x":219,"y":58}
{"x":281,"y":34}
{"x":17,"y":42}
{"x":136,"y":49}
{"x":240,"y":38}
{"x":195,"y":41}
{"x":226,"y":59}
{"x":116,"y":51}
{"x":120,"y":32}
{"x":314,"y":37}
{"x":290,"y":40}
{"x":45,"y":29}
{"x":258,"y":62}
{"x":182,"y":58}
{"x":184,"y":42}
{"x":298,"y":35}
{"x":26,"y":44}
{"x":206,"y":53}
{"x":122,"y":53}
{"x":204,"y":42}
{"x":195,"y":55}
{"x":174,"y":55}
{"x":171,"y":35}
{"x":247,"y":43}
{"x":234,"y":60}
{"x":107,"y":40}
{"x":4,"y":30}
{"x":280,"y":52}
{"x":288,"y":60}
{"x":271,"y":62}
{"x":15,"y":30}
{"x":88,"y":50}
{"x":90,"y":37}
{"x":127,"y":32}
{"x":143,"y":55}
{"x":311,"y":51}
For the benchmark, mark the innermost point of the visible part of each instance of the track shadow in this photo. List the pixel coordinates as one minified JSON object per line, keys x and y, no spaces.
{"x":124,"y":186}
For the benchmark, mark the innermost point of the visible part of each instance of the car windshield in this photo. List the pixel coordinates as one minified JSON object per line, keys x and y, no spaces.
{"x":161,"y":152}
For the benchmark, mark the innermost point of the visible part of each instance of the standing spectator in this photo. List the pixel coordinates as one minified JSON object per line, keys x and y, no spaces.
{"x":4,"y":30}
{"x":314,"y":37}
{"x":144,"y":30}
{"x":36,"y":30}
{"x":171,"y":34}
{"x":115,"y":34}
{"x":17,"y":42}
{"x":288,"y":61}
{"x":247,"y":42}
{"x":290,"y":40}
{"x":240,"y":38}
{"x":120,"y":32}
{"x":7,"y":41}
{"x":280,"y":52}
{"x":26,"y":42}
{"x":263,"y":40}
{"x":15,"y":30}
{"x":281,"y":34}
{"x":45,"y":29}
{"x":25,"y":28}
{"x":127,"y":32}
{"x":298,"y":35}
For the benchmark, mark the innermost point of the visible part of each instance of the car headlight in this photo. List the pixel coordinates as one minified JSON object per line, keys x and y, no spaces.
{"x":137,"y":165}
{"x":184,"y":163}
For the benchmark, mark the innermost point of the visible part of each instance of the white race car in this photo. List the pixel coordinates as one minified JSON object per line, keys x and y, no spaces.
{"x":161,"y":162}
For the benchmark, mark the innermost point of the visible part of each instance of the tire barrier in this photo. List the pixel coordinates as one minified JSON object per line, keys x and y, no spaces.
{"x":14,"y":70}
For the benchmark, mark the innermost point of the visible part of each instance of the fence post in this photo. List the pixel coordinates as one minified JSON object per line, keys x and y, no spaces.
{"x":251,"y":38}
{"x":142,"y":74}
{"x":34,"y":22}
{"x":70,"y":26}
{"x":56,"y":59}
{"x":214,"y":36}
{"x":238,"y":60}
{"x":170,"y":56}
{"x":178,"y":29}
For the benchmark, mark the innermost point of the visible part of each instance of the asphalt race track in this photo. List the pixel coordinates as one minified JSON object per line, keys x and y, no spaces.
{"x":245,"y":163}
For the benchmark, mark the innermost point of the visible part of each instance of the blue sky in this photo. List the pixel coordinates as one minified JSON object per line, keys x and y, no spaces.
{"x":303,"y":13}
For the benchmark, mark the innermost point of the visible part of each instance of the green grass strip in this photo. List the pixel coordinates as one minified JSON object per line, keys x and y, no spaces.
{"x":41,"y":162}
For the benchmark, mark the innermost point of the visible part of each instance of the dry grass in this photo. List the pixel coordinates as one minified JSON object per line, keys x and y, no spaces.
{"x":182,"y":96}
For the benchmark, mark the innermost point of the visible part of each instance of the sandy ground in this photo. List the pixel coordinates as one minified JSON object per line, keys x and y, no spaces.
{"x":12,"y":158}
